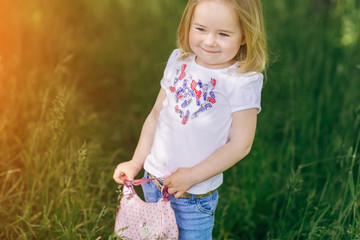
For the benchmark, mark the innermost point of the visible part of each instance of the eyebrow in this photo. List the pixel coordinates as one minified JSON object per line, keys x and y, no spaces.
{"x":221,"y":30}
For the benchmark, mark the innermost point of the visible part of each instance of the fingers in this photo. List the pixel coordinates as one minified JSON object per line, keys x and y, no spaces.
{"x":166,"y":181}
{"x":125,"y":171}
{"x":175,"y":191}
{"x":178,"y":194}
{"x":120,"y":178}
{"x":173,"y":188}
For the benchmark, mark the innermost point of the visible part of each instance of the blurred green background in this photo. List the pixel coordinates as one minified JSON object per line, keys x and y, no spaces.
{"x":78,"y":78}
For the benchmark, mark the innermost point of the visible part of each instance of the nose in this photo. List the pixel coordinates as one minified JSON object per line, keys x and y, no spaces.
{"x":210,"y":40}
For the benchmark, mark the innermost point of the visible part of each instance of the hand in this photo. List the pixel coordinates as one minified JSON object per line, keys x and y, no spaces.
{"x":179,"y":182}
{"x":126,"y":171}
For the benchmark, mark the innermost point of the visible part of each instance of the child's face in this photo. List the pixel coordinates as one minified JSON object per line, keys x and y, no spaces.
{"x":215,"y":34}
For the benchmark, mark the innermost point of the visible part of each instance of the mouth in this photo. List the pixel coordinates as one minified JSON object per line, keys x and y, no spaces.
{"x":210,"y":51}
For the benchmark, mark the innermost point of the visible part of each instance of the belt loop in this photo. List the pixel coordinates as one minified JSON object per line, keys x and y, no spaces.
{"x":157,"y":182}
{"x":192,"y":198}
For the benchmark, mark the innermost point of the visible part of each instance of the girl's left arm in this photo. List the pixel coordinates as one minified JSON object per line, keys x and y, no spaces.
{"x":241,"y":139}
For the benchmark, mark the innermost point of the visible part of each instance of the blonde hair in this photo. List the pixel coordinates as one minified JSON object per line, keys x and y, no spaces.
{"x":252,"y":56}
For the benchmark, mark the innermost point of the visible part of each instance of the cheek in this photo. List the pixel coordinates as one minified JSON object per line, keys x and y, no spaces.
{"x":232,"y":47}
{"x":193,"y":38}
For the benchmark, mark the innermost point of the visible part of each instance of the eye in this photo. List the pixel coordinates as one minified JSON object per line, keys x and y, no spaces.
{"x":224,"y":35}
{"x":200,"y":29}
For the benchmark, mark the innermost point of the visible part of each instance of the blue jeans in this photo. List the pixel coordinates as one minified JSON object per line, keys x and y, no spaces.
{"x":194,"y":216}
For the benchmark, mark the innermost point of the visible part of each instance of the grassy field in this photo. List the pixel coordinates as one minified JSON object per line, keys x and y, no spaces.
{"x":78,"y":78}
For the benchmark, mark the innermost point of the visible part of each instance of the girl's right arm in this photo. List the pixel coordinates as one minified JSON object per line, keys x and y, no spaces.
{"x":128,"y":170}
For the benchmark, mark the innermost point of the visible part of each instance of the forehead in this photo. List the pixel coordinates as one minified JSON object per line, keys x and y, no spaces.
{"x":215,"y":13}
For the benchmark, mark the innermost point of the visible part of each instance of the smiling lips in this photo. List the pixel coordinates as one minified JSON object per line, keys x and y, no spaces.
{"x":209,"y":51}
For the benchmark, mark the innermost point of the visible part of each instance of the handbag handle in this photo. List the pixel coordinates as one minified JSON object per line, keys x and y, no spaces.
{"x":138,"y":182}
{"x":129,"y":187}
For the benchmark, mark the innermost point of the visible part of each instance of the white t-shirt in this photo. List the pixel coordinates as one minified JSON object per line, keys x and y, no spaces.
{"x":196,"y":115}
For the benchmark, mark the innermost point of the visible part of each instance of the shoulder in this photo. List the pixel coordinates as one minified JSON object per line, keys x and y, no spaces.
{"x":172,"y":66}
{"x":179,"y":55}
{"x":176,"y":61}
{"x":175,"y":55}
{"x":246,"y":79}
{"x":244,"y":91}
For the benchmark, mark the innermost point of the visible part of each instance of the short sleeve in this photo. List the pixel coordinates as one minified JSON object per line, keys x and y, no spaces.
{"x":246,"y":92}
{"x":168,"y":69}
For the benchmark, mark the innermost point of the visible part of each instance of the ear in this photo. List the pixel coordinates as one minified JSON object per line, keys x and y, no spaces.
{"x":243,"y":41}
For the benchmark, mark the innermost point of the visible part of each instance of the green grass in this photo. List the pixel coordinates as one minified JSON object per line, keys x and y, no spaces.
{"x":76,"y":87}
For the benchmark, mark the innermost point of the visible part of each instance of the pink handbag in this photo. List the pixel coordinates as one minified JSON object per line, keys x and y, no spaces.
{"x":137,"y":219}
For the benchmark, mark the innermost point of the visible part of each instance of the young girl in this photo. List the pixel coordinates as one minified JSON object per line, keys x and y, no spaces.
{"x":204,"y":119}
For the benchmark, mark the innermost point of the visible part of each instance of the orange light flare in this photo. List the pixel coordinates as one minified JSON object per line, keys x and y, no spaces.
{"x":15,"y":96}
{"x":10,"y":47}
